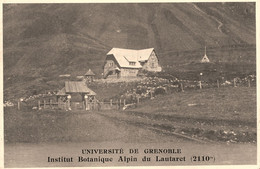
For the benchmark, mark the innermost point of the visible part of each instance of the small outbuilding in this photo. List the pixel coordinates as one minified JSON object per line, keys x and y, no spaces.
{"x":89,"y":76}
{"x":76,"y":95}
{"x":205,"y":58}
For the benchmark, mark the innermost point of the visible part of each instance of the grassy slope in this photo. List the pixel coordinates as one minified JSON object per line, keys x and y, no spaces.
{"x":59,"y":126}
{"x":42,"y":41}
{"x":211,"y":113}
{"x":229,"y":103}
{"x":54,"y":127}
{"x":211,"y":71}
{"x":224,"y":114}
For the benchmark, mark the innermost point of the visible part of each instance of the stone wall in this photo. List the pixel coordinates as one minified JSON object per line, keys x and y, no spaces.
{"x":125,"y":72}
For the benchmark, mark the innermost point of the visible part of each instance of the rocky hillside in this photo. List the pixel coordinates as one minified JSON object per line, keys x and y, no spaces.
{"x":42,"y":41}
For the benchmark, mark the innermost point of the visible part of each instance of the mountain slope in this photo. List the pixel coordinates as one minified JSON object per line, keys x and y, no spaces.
{"x":45,"y":40}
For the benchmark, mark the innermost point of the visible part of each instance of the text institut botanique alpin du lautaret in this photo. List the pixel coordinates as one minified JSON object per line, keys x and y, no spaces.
{"x":158,"y":156}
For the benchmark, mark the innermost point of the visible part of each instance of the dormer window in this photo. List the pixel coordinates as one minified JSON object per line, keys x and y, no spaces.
{"x":132,"y":63}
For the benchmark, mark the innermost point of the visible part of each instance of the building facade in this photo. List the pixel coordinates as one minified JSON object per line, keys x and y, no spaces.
{"x":127,"y":62}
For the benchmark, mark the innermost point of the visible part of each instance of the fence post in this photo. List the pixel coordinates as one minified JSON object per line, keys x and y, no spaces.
{"x":86,"y":102}
{"x":234,"y":82}
{"x":69,"y":105}
{"x":182,"y":87}
{"x":200,"y":85}
{"x":124,"y":102}
{"x":95,"y":103}
{"x":120,"y":103}
{"x":218,"y":83}
{"x":249,"y":85}
{"x":44,"y":104}
{"x":111,"y":102}
{"x":51,"y":103}
{"x":60,"y":105}
{"x":39,"y":104}
{"x":19,"y":104}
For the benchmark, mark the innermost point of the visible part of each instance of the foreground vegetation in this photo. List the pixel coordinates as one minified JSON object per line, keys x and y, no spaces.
{"x":219,"y":114}
{"x":216,"y":114}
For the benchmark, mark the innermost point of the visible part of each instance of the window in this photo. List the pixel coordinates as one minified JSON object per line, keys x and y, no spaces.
{"x":132,"y":63}
{"x":111,"y":64}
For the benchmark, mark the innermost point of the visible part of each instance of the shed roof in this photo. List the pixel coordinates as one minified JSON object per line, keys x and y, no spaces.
{"x":77,"y":87}
{"x":124,"y":56}
{"x":90,"y":73}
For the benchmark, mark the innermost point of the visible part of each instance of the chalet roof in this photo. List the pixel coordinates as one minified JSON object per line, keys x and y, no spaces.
{"x":143,"y":55}
{"x":90,"y":73}
{"x":75,"y":87}
{"x":124,"y":56}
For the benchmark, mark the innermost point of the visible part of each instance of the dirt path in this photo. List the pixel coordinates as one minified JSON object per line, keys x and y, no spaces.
{"x":108,"y":129}
{"x":200,"y":130}
{"x":219,"y":22}
{"x":161,"y":128}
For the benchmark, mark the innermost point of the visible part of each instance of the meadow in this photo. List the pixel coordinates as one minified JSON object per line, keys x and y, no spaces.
{"x":226,"y":114}
{"x":219,"y":114}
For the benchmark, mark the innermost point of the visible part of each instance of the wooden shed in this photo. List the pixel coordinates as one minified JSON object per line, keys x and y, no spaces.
{"x":89,"y":76}
{"x":77,"y":95}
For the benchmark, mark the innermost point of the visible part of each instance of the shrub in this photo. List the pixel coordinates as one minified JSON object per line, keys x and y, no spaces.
{"x":159,"y":91}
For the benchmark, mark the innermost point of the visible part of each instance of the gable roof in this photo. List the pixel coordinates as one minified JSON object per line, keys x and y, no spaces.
{"x":90,"y":73}
{"x":143,"y":55}
{"x":205,"y":59}
{"x":124,"y":56}
{"x":75,"y":87}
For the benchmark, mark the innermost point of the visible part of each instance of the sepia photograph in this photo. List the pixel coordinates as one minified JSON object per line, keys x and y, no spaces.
{"x":129,"y":84}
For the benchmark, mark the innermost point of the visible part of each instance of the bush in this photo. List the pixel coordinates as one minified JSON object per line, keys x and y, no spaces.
{"x":159,"y":91}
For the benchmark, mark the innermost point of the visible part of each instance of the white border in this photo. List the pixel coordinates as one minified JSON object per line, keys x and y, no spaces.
{"x":257,"y":166}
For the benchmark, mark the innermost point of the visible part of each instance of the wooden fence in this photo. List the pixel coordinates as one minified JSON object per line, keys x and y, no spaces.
{"x":217,"y":84}
{"x":117,"y":104}
{"x":123,"y":103}
{"x":103,"y":105}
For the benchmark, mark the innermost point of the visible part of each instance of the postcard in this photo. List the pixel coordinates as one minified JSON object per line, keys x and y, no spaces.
{"x":136,"y":84}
